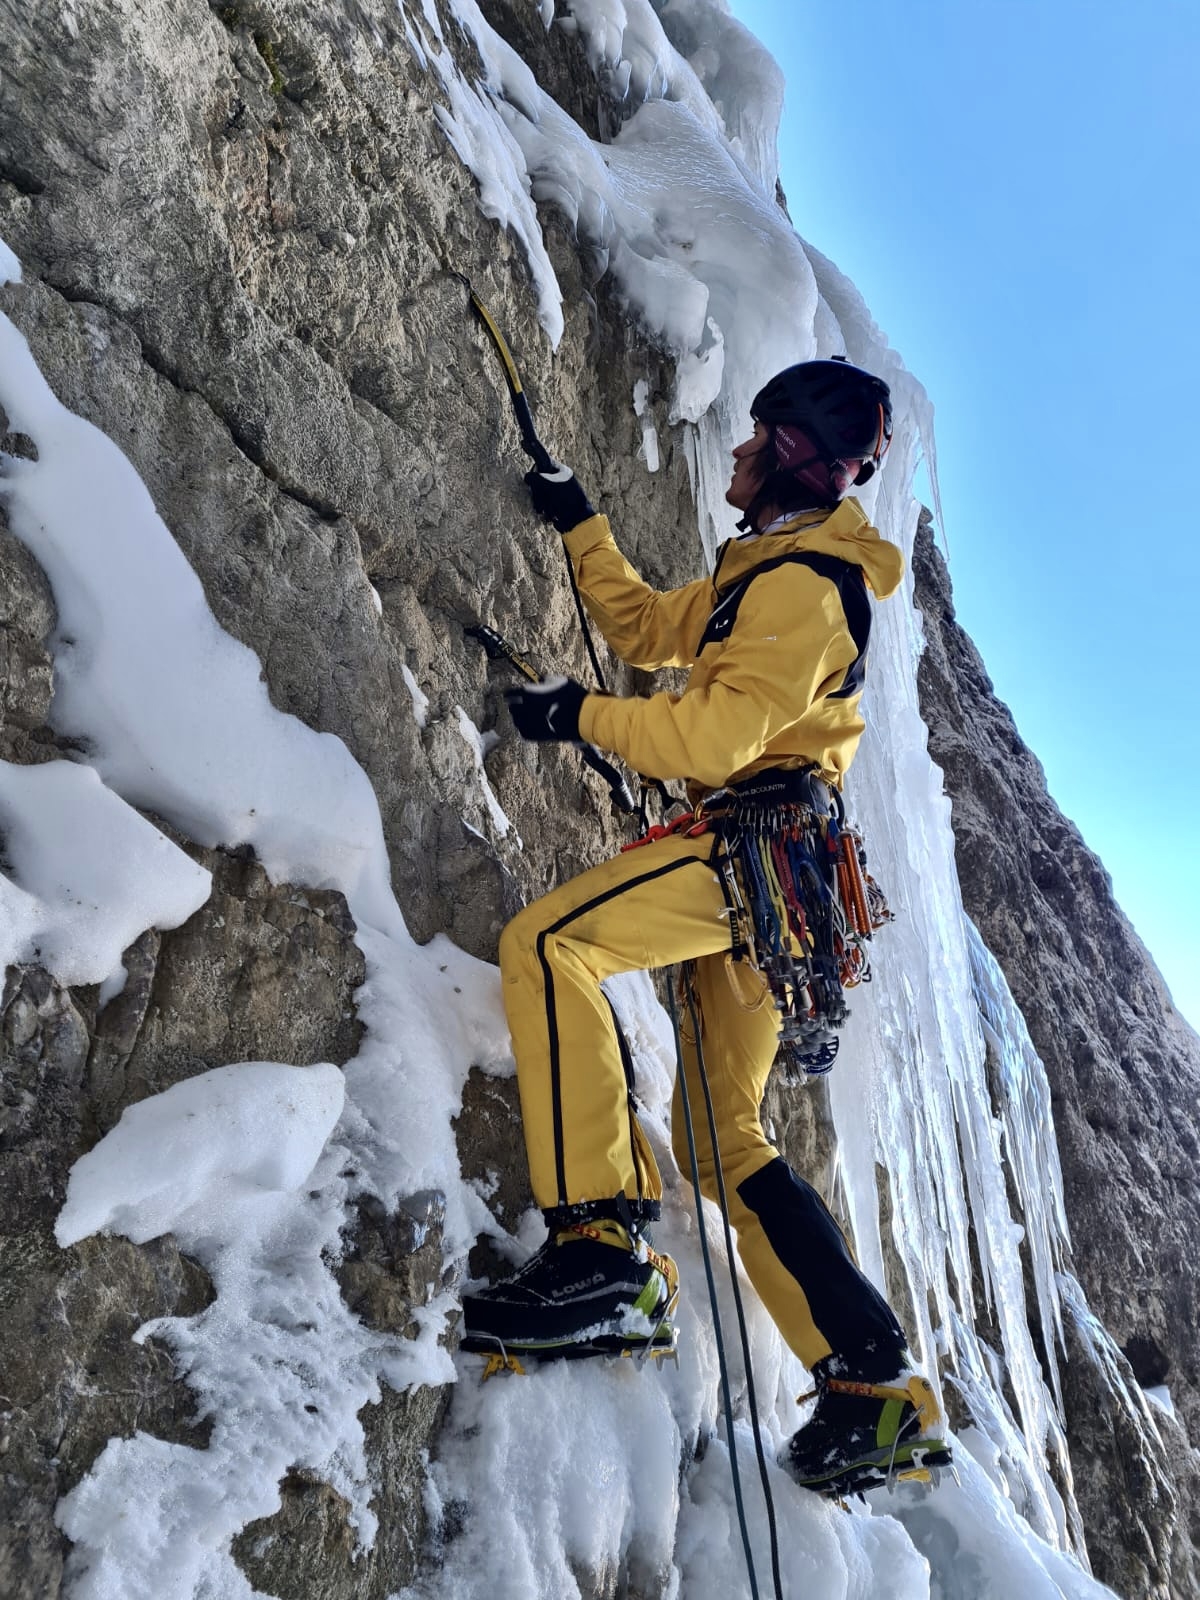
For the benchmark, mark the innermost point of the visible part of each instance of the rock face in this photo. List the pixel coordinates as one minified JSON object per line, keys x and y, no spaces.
{"x":72,"y":1375}
{"x":241,"y":231}
{"x":1124,"y":1072}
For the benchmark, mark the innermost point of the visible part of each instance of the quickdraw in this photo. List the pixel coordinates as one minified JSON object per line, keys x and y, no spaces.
{"x":802,"y":905}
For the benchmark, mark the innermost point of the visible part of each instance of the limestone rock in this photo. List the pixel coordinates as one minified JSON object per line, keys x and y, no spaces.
{"x":72,"y":1375}
{"x":261,"y":972}
{"x":26,"y":618}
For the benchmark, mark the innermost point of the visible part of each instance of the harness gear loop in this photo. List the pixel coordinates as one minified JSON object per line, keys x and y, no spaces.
{"x":800,"y":902}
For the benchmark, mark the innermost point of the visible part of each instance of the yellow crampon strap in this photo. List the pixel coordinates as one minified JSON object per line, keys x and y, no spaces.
{"x":501,"y":1362}
{"x":918,"y":1392}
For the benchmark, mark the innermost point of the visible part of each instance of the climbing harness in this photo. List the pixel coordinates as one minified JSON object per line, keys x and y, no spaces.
{"x":497,"y":648}
{"x":718,"y":1335}
{"x":801,"y":904}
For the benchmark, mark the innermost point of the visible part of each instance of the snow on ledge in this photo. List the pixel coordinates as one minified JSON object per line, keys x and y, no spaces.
{"x":87,"y":874}
{"x":255,"y":1126}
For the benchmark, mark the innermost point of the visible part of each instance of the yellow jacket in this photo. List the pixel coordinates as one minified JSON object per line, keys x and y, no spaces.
{"x":776,"y":674}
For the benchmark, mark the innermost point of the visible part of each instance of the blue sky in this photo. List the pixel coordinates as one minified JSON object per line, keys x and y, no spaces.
{"x":1012,"y":185}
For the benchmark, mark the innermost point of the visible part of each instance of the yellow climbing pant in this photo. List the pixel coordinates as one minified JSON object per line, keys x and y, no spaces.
{"x":653,"y":907}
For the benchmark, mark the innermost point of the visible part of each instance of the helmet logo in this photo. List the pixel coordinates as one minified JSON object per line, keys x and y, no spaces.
{"x":793,"y":448}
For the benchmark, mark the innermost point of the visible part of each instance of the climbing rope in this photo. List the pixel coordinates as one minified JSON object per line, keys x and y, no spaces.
{"x":723,"y":1202}
{"x":718,"y":1334}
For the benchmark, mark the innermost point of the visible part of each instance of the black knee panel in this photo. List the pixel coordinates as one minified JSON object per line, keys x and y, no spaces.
{"x":848,"y":1310}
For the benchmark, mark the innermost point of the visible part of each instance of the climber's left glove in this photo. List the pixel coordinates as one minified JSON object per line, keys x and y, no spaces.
{"x":547,"y":710}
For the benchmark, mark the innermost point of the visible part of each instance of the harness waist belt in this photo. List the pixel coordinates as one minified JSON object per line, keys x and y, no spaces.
{"x":784,"y":786}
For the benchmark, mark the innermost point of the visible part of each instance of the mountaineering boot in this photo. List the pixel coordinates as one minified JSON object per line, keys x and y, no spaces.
{"x":865,"y":1434}
{"x":593,"y":1289}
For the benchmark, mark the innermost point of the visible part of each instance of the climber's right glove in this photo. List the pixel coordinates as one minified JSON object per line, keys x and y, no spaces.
{"x":558,"y":497}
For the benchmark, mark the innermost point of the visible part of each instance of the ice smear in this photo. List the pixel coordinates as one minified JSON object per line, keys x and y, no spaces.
{"x":473,"y":740}
{"x":420,"y":700}
{"x":1027,"y":1123}
{"x":87,"y":874}
{"x":641,"y":409}
{"x":1102,"y":1350}
{"x":1159,"y":1395}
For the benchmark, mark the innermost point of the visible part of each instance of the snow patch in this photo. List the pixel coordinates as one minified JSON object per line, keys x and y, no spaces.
{"x":10,"y":267}
{"x":86,"y":874}
{"x":183,"y":1158}
{"x":174,"y":711}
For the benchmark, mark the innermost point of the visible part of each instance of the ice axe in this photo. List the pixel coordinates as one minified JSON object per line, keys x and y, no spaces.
{"x":530,"y":443}
{"x":498,"y":648}
{"x":533,"y":447}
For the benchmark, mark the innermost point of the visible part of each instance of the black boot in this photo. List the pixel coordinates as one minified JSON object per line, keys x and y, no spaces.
{"x":592,"y":1289}
{"x":863,"y":1433}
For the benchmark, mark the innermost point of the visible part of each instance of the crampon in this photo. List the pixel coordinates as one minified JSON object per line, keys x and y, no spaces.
{"x":870,"y":1435}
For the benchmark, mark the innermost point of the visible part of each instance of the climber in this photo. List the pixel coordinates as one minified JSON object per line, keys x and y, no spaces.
{"x":772,"y":699}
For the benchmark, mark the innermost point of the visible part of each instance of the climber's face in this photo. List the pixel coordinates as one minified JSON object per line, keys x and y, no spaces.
{"x":747,"y":468}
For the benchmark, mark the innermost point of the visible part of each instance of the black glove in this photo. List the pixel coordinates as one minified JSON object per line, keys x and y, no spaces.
{"x":547,"y":710}
{"x":558,"y":497}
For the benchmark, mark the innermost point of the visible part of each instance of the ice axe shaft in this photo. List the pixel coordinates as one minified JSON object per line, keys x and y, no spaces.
{"x":530,"y":443}
{"x":542,"y":460}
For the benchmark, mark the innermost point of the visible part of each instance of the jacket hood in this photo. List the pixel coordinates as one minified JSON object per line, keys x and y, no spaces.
{"x":843,"y":532}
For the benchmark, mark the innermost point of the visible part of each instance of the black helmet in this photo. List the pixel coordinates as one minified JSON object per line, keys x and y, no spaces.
{"x":844,"y":412}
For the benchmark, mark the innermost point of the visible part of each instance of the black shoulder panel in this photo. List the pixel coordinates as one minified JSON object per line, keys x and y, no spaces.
{"x":851,"y":588}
